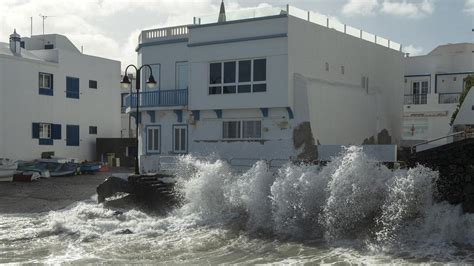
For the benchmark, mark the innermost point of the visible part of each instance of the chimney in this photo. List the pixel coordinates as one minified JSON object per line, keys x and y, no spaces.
{"x":222,"y":13}
{"x":15,"y":43}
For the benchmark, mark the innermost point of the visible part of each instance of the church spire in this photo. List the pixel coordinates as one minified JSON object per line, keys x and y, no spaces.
{"x":222,"y":13}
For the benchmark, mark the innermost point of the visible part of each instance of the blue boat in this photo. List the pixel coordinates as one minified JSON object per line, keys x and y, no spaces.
{"x":90,"y":167}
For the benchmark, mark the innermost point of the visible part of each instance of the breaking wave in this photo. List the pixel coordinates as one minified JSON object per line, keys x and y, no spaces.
{"x":353,"y":209}
{"x":351,"y":198}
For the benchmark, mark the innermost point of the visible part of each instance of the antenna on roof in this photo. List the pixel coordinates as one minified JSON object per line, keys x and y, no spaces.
{"x":44,"y":17}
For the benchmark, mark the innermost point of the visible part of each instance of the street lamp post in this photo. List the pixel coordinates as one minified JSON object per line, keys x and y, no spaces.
{"x":150,"y":83}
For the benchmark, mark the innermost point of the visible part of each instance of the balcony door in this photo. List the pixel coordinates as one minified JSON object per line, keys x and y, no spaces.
{"x":181,"y":75}
{"x":420,"y":90}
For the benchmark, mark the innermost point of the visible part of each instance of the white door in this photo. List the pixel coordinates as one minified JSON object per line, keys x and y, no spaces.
{"x":181,"y":75}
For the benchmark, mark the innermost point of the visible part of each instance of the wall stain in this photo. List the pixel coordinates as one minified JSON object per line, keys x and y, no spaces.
{"x":303,"y":137}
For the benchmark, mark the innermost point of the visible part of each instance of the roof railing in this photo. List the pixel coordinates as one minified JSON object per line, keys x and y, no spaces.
{"x":155,"y":34}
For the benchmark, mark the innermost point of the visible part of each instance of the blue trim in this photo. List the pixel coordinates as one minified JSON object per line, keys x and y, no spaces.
{"x":187,"y":138}
{"x":44,"y":91}
{"x":179,"y":115}
{"x":237,"y":21}
{"x":141,"y":45}
{"x":218,"y":113}
{"x":282,"y":35}
{"x":45,"y":141}
{"x":152,"y":116}
{"x":290,"y":112}
{"x":449,"y":74}
{"x":196,"y":115}
{"x":146,"y":140}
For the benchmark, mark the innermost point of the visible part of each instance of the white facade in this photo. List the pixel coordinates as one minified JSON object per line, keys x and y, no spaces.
{"x":54,"y":98}
{"x":433,"y":84}
{"x":286,"y":83}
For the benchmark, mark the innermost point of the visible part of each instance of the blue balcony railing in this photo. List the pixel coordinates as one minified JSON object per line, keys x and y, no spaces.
{"x":160,"y":98}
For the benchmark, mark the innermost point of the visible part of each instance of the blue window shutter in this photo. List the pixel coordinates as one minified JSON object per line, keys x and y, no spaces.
{"x":52,"y":79}
{"x":72,"y":135}
{"x":35,"y":130}
{"x":56,"y":131}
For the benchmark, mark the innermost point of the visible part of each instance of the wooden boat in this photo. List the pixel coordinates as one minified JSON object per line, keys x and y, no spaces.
{"x":26,"y":176}
{"x":7,"y":167}
{"x":90,"y":167}
{"x":34,"y":167}
{"x":58,"y":168}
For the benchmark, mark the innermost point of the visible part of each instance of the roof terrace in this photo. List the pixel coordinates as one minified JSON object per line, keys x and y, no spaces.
{"x":180,"y":32}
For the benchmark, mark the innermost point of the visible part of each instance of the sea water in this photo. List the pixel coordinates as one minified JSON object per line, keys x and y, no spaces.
{"x":351,"y":210}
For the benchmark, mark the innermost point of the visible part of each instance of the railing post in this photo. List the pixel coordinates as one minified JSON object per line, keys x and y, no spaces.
{"x":361,"y":34}
{"x":327,"y":22}
{"x":345,"y":28}
{"x":309,"y":16}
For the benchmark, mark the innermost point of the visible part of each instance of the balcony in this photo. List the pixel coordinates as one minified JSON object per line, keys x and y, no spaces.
{"x":160,"y":98}
{"x":415,"y":99}
{"x":449,"y":98}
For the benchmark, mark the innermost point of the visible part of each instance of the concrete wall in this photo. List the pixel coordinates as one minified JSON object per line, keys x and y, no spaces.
{"x":341,"y":111}
{"x":22,"y":105}
{"x":275,"y":50}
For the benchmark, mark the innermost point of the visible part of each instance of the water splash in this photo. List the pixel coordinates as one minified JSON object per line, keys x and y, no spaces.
{"x":352,"y":209}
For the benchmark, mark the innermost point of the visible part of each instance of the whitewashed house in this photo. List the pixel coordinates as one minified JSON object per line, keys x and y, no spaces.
{"x":54,"y":98}
{"x":270,"y":85}
{"x":433,"y":84}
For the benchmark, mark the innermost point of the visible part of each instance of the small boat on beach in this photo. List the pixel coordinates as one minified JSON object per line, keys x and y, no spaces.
{"x":33,"y":166}
{"x":7,"y":167}
{"x":59,"y":167}
{"x":90,"y":167}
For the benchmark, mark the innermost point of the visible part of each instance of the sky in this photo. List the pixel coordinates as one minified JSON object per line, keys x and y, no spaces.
{"x":110,"y":28}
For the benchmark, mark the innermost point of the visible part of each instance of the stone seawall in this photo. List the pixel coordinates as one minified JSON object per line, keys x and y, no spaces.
{"x":455,"y":163}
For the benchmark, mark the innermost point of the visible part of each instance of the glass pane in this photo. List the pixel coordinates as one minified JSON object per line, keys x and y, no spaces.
{"x":215,"y":75}
{"x":150,"y":139}
{"x":244,"y":71}
{"x":229,"y":72}
{"x":244,"y":88}
{"x":229,"y":89}
{"x":231,"y":129}
{"x":183,"y":139}
{"x":259,"y":87}
{"x":424,"y":87}
{"x":416,"y":87}
{"x":260,"y":70}
{"x":182,"y":76}
{"x":156,"y":139}
{"x":215,"y":90}
{"x":176,"y":139}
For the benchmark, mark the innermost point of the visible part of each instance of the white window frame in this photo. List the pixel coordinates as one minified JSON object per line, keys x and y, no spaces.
{"x":155,"y":129}
{"x":241,"y":129}
{"x":44,"y":131}
{"x":42,"y":80}
{"x":237,"y":81}
{"x":182,"y":148}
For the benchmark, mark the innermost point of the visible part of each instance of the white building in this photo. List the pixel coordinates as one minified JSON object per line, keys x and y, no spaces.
{"x":54,"y":98}
{"x":271,"y":85}
{"x":433,"y":84}
{"x":128,"y":127}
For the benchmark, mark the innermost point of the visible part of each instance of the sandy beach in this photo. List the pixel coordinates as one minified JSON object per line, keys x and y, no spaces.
{"x":48,"y":194}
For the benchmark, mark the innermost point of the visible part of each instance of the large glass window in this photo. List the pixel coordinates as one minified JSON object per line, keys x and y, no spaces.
{"x":153,"y":139}
{"x":242,"y":129}
{"x":180,"y":139}
{"x":231,"y":130}
{"x":252,"y":129}
{"x":242,"y":76}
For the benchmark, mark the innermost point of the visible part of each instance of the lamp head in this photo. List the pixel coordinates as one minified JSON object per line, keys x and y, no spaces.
{"x":125,"y":83}
{"x":151,"y":83}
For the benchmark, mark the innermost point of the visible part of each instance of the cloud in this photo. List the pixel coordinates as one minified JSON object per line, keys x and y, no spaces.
{"x":469,"y":6}
{"x":408,"y":9}
{"x":413,"y":50}
{"x":360,"y":7}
